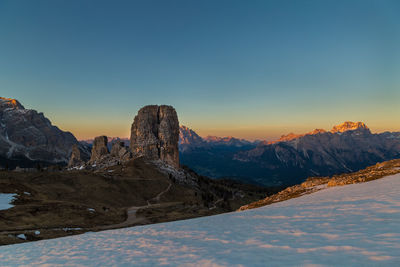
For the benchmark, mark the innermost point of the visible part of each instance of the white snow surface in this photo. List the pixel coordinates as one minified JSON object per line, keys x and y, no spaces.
{"x":5,"y":200}
{"x":353,"y":225}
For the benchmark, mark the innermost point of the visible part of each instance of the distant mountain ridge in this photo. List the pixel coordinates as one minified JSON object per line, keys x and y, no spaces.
{"x":347,"y":147}
{"x":210,"y":156}
{"x":189,"y":139}
{"x":27,"y":137}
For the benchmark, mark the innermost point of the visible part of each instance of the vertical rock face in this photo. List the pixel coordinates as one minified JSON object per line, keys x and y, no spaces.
{"x":99,"y":148}
{"x":155,"y":134}
{"x":78,"y":158}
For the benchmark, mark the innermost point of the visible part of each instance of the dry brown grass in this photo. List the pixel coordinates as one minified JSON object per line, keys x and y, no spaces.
{"x":58,"y":200}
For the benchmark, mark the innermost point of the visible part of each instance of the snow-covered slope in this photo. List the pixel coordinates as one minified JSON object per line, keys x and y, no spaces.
{"x":354,"y":225}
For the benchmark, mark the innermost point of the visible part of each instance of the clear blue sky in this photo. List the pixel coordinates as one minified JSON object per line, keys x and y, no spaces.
{"x":253,"y":69}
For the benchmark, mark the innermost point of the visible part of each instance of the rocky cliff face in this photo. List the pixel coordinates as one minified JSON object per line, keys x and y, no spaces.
{"x":155,"y":134}
{"x":101,"y":156}
{"x":119,"y":150}
{"x":27,"y":136}
{"x":99,"y":149}
{"x":78,"y":156}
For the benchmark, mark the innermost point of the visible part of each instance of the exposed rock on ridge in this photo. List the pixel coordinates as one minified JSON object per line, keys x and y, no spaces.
{"x":99,"y":148}
{"x":78,"y":157}
{"x":101,"y":157}
{"x":120,"y":151}
{"x":155,"y":134}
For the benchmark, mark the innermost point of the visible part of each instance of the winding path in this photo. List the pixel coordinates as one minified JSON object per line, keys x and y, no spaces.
{"x":131,"y":218}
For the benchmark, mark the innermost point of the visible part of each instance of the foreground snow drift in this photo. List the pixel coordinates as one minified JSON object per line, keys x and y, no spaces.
{"x":350,"y":225}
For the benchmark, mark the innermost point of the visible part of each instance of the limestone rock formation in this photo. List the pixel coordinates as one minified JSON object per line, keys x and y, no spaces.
{"x":27,"y":137}
{"x":76,"y":157}
{"x":155,"y":134}
{"x":101,"y":157}
{"x":99,"y":148}
{"x":119,"y":150}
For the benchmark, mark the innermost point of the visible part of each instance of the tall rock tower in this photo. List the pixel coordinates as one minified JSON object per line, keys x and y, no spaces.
{"x":155,"y":134}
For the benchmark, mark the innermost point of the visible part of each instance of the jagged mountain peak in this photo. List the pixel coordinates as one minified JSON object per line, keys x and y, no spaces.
{"x":188,"y":136}
{"x":10,"y":103}
{"x":349,"y":126}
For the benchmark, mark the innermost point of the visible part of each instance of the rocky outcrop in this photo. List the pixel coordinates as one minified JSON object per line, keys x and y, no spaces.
{"x":119,"y":150}
{"x":27,"y":136}
{"x":111,"y":141}
{"x":101,"y":157}
{"x":155,"y":134}
{"x":99,"y":149}
{"x":78,"y":157}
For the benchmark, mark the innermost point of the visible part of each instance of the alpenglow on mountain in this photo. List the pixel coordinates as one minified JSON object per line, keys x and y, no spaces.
{"x":289,"y":160}
{"x":27,"y":137}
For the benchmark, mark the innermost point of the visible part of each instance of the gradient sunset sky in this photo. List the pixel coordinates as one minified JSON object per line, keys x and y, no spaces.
{"x":250,"y":69}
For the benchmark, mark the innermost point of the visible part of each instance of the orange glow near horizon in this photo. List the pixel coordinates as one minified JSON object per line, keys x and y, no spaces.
{"x":83,"y":131}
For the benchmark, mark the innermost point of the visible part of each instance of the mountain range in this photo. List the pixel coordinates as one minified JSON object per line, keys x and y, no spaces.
{"x":348,"y":147}
{"x":28,"y":138}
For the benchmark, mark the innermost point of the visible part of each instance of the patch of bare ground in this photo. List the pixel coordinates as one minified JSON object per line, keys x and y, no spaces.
{"x":314,"y":184}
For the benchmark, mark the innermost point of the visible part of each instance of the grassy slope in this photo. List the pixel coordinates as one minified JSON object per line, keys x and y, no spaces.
{"x":58,"y":200}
